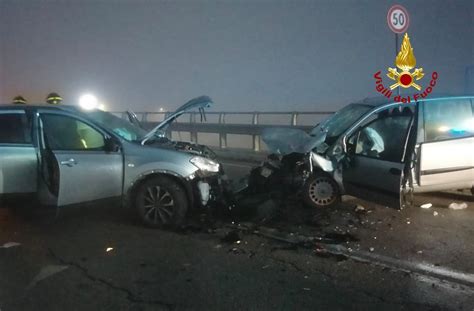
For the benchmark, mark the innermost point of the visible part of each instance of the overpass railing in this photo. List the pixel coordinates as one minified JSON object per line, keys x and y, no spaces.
{"x":225,"y":124}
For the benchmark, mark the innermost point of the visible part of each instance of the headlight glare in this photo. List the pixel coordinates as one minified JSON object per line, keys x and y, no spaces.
{"x":205,"y":165}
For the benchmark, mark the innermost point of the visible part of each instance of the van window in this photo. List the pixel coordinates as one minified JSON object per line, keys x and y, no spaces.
{"x":447,"y":119}
{"x":13,"y":129}
{"x":384,"y":138}
{"x":66,"y":133}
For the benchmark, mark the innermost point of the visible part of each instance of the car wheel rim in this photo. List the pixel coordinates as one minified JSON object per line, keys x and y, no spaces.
{"x":158,"y":205}
{"x":322,"y":191}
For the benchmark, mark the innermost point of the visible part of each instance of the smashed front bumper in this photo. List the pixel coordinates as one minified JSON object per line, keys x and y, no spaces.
{"x":211,"y":190}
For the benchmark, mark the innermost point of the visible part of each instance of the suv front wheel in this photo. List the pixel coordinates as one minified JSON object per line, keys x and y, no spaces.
{"x":320,"y":190}
{"x":161,"y":202}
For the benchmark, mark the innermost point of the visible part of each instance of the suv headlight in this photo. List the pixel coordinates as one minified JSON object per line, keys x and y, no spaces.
{"x":205,"y":165}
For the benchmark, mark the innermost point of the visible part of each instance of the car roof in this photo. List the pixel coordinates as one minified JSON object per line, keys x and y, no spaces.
{"x":36,"y":106}
{"x":382,"y":100}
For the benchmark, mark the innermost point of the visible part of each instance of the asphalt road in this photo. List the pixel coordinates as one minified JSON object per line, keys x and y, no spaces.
{"x":375,"y":258}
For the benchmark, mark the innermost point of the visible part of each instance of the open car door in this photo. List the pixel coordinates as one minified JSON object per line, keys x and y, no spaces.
{"x":48,"y":169}
{"x":78,"y":162}
{"x":377,"y":157}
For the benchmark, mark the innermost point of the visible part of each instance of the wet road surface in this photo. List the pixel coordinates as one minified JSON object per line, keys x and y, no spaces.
{"x":102,"y":258}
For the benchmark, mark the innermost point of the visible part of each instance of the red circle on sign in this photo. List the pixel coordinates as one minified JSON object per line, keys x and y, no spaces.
{"x":396,"y":20}
{"x":405,"y":79}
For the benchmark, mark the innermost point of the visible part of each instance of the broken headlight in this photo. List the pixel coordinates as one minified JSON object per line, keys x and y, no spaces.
{"x":205,"y":165}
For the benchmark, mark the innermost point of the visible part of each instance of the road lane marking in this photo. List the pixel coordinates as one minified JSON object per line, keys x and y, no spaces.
{"x":44,"y":273}
{"x":419,"y":268}
{"x":422,"y":268}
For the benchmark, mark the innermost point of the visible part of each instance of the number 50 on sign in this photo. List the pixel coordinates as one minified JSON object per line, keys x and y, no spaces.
{"x":398,"y":19}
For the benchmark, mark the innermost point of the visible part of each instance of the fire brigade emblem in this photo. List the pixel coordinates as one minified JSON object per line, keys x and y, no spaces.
{"x":405,"y":61}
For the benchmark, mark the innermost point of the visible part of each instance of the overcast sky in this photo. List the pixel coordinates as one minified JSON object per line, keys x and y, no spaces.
{"x":247,"y":55}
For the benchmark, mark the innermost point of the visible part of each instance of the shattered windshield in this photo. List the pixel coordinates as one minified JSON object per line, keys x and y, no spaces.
{"x":340,"y":121}
{"x":121,"y":127}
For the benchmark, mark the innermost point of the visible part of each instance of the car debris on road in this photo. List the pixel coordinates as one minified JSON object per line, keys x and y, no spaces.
{"x":10,"y":244}
{"x":457,"y":206}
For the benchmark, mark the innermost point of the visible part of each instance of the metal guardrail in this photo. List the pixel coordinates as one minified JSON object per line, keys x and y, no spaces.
{"x":254,"y":129}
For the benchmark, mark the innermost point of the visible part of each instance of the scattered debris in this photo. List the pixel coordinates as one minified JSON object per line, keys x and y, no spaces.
{"x":457,"y":206}
{"x":109,"y":249}
{"x":231,"y":237}
{"x":10,"y":244}
{"x":284,"y":247}
{"x":324,"y":253}
{"x":359,"y":209}
{"x":371,"y":249}
{"x":426,"y":206}
{"x":236,"y":250}
{"x":338,"y":238}
{"x":45,"y":273}
{"x":435,"y":213}
{"x":267,"y":210}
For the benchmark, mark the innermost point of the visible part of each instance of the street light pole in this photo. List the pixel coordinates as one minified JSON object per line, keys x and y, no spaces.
{"x":396,"y":53}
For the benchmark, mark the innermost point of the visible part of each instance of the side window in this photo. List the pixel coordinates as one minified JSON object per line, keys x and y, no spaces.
{"x":14,"y":129}
{"x":384,"y":138}
{"x":447,"y":119}
{"x":67,"y":133}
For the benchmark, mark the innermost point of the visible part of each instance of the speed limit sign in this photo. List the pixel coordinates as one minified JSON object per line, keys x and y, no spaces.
{"x":397,"y":19}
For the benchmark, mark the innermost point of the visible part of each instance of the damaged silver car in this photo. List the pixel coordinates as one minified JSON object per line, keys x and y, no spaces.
{"x":376,"y":150}
{"x":63,"y":156}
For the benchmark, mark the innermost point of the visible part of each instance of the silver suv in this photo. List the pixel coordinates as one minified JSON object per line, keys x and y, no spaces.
{"x":63,"y":156}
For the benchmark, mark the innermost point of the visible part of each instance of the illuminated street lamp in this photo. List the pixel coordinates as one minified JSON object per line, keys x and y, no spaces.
{"x":88,"y":102}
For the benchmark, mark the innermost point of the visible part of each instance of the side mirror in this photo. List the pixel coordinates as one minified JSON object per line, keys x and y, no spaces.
{"x":111,"y":145}
{"x":160,"y":137}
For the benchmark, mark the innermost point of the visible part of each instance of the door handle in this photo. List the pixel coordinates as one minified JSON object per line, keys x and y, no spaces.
{"x":71,"y":162}
{"x":395,"y":171}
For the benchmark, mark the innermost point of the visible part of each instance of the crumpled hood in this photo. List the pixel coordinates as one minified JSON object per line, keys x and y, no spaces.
{"x":287,"y":140}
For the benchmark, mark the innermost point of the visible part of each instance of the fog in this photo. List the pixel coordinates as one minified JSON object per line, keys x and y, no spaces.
{"x":247,"y":55}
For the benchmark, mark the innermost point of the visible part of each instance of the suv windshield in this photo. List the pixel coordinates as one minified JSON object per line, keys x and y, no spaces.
{"x":340,"y":121}
{"x":121,"y":127}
